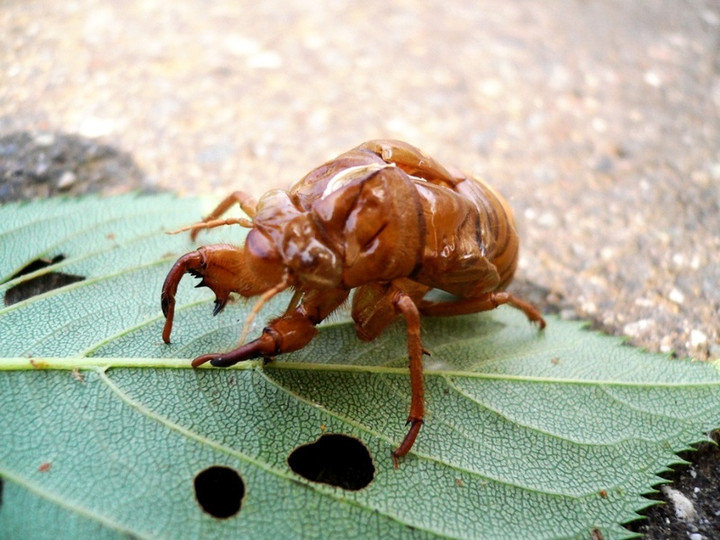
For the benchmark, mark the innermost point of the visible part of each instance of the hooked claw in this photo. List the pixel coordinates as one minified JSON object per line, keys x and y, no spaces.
{"x":186,"y":263}
{"x":195,"y":264}
{"x":408,"y":441}
{"x":264,"y":346}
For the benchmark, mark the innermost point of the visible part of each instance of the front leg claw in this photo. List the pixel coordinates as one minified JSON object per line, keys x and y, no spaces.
{"x":190,"y":262}
{"x":200,"y":360}
{"x":215,"y":265}
{"x":263,"y":347}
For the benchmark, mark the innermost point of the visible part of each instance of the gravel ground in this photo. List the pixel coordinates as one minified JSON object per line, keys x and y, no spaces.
{"x":599,"y":120}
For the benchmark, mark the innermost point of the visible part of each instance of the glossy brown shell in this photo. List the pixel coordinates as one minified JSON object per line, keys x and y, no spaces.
{"x":388,"y":211}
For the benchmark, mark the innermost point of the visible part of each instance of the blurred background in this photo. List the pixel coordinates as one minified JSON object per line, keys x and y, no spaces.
{"x":598,"y":120}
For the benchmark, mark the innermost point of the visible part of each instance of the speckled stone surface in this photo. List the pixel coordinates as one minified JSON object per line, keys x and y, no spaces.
{"x":600,"y":121}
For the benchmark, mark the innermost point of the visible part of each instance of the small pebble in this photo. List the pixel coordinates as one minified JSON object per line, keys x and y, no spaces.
{"x":666,"y":344}
{"x":697,"y":338}
{"x":66,"y":180}
{"x":265,"y":60}
{"x":599,"y":124}
{"x":676,"y":295}
{"x":652,"y":79}
{"x":636,"y":328}
{"x":547,"y":219}
{"x":45,"y":139}
{"x":710,"y":17}
{"x":684,"y":508}
{"x":715,"y":171}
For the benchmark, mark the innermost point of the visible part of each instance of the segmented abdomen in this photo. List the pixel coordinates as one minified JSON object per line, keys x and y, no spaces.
{"x":497,"y":224}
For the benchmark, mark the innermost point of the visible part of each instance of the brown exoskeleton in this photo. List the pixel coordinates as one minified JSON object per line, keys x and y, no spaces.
{"x":383,"y":219}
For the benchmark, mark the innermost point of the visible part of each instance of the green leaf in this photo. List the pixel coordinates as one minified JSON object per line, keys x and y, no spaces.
{"x":527,"y":434}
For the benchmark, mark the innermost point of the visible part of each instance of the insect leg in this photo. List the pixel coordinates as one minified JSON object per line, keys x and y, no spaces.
{"x":169,"y":289}
{"x":246,"y":202}
{"x":375,"y":306}
{"x":290,"y":332}
{"x":405,"y":305}
{"x":222,"y":268}
{"x":485,"y":302}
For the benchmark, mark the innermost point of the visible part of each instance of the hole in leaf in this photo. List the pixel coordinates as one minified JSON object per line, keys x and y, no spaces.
{"x":38,"y":285}
{"x":220,"y":491}
{"x":334,"y":459}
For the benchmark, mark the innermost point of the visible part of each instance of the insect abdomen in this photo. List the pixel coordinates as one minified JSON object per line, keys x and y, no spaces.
{"x":497,"y":225}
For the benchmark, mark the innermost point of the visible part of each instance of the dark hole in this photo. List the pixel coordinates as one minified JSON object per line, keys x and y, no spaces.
{"x":46,"y":282}
{"x":334,"y":459}
{"x":220,"y":491}
{"x":37,"y":264}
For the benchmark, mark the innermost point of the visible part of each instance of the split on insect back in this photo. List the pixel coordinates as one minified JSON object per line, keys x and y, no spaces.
{"x":383,"y":219}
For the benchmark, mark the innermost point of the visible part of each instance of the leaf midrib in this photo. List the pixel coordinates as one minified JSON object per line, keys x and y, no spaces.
{"x":21,"y":363}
